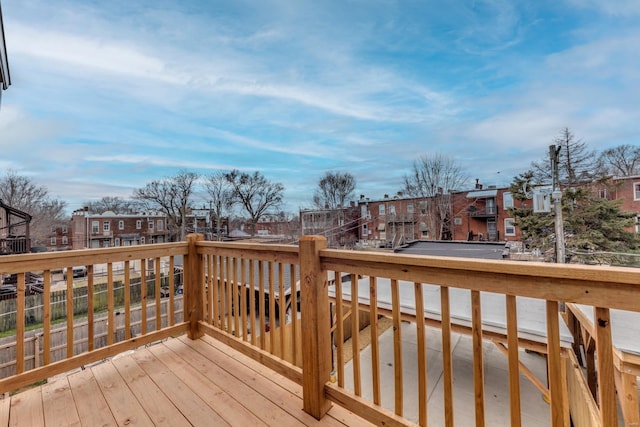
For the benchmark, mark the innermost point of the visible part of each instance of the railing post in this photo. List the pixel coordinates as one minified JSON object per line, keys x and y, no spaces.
{"x":193,"y":275}
{"x":315,"y":326}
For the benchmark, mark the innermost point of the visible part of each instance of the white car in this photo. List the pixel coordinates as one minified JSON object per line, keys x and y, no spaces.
{"x":79,"y":271}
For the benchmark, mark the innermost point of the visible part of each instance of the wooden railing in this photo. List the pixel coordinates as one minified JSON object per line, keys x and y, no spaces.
{"x":247,"y":295}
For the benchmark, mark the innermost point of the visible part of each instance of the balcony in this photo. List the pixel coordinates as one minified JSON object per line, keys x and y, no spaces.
{"x":239,"y":351}
{"x":482,"y":211}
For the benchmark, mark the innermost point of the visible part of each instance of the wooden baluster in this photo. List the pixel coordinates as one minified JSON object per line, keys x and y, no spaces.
{"x":558,"y":403}
{"x":272,"y":309}
{"x":127,"y":300}
{"x":90,"y":308}
{"x":215,"y":291}
{"x":20,"y":327}
{"x":513,"y":360}
{"x":209,"y":293}
{"x":69,"y":312}
{"x":447,"y":355}
{"x":242,"y":288}
{"x":236,"y":299}
{"x":478,"y":368}
{"x":282,"y":306}
{"x":229,"y":295}
{"x":422,"y":355}
{"x":143,"y":297}
{"x":157,"y":293}
{"x":604,"y":361}
{"x":261,"y":305}
{"x":339,"y":336}
{"x":46,"y":318}
{"x":397,"y":346}
{"x":252,"y":300}
{"x":111,"y":327}
{"x":294,"y":314}
{"x":375,"y":347}
{"x":355,"y":336}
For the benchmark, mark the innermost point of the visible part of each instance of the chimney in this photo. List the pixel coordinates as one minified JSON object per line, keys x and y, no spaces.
{"x":478,"y":185}
{"x":362,"y":197}
{"x":400,"y":194}
{"x":386,"y":196}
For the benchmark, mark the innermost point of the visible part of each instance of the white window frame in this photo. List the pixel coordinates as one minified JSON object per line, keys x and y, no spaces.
{"x":65,"y":240}
{"x":95,"y":227}
{"x":636,"y":191}
{"x":64,"y":229}
{"x":507,"y":200}
{"x":117,"y":241}
{"x":409,"y":208}
{"x":53,"y":241}
{"x":142,"y":240}
{"x":138,"y":224}
{"x":381,"y":210}
{"x":106,"y":225}
{"x":151,"y":224}
{"x":160,"y":226}
{"x":509,"y":224}
{"x":121,"y":224}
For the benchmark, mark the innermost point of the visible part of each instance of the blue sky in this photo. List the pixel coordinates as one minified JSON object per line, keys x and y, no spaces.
{"x":109,"y":95}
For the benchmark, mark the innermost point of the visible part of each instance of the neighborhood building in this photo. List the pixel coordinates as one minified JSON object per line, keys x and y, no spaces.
{"x":92,"y":230}
{"x":14,"y":230}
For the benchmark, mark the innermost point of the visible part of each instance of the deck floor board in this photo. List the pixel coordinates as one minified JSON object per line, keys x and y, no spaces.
{"x":175,"y":382}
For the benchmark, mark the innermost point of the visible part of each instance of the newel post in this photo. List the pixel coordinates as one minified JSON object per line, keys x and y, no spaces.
{"x":315,"y":320}
{"x":193,"y":276}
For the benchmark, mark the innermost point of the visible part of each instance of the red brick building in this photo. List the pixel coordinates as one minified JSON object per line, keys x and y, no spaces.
{"x":91,"y":230}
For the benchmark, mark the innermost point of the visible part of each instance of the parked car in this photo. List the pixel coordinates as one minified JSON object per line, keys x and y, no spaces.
{"x":79,"y":271}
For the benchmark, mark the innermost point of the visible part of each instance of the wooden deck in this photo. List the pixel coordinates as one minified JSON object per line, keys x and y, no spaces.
{"x":176,"y":382}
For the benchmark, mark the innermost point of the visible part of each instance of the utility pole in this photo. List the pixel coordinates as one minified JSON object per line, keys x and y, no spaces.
{"x":556,"y":196}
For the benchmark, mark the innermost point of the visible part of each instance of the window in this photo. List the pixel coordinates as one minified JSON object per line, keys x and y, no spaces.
{"x":457,"y":220}
{"x":150,"y":224}
{"x":106,"y":226}
{"x":392,"y":209}
{"x":117,"y":241}
{"x":142,"y":240}
{"x":638,"y":224}
{"x":363,"y":211}
{"x":423,"y":208}
{"x":106,"y":244}
{"x":507,"y":200}
{"x":65,"y":240}
{"x":53,"y":241}
{"x":636,"y":191}
{"x":509,"y":227}
{"x":95,"y":227}
{"x":160,"y":225}
{"x":64,"y":229}
{"x":120,"y":226}
{"x":381,"y":210}
{"x":138,"y":224}
{"x":409,"y":208}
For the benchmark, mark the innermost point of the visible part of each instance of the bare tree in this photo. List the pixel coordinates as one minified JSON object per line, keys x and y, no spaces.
{"x":221,"y":193}
{"x":623,"y":160}
{"x":334,"y":188}
{"x":22,"y":193}
{"x":434,"y":178}
{"x":576,"y":162}
{"x":254,"y":193}
{"x":113,"y":204}
{"x":170,"y":195}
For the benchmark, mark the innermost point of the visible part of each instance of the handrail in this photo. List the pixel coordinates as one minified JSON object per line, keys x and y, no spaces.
{"x":247,"y":295}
